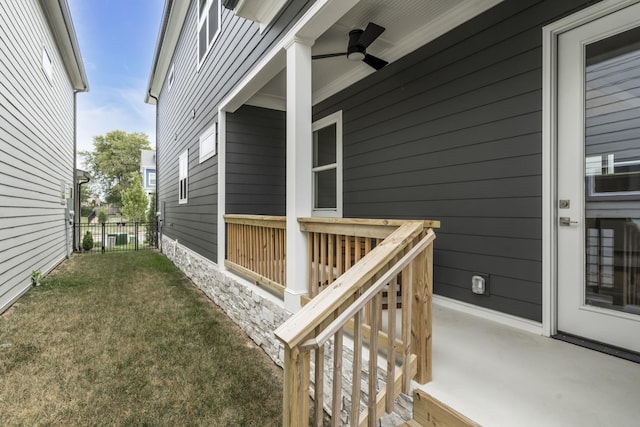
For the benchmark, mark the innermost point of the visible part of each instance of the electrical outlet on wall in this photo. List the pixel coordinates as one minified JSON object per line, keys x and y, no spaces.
{"x":480,"y":283}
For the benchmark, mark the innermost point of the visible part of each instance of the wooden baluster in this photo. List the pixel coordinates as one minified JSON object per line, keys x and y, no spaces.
{"x":347,"y":253}
{"x":323,"y":261}
{"x":272,"y":254}
{"x":391,"y":347}
{"x":367,"y":245}
{"x":337,"y":378}
{"x":319,"y":384}
{"x":357,"y":248}
{"x":316,"y":262}
{"x":331,"y":264}
{"x":357,"y":369}
{"x":407,"y":292}
{"x":373,"y":361}
{"x":339,"y":250}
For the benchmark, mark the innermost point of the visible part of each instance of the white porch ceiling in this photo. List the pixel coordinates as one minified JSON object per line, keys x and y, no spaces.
{"x":409,"y":25}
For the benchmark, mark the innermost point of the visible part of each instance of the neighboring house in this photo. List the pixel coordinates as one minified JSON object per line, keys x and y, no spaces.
{"x":477,"y":121}
{"x":41,"y":71}
{"x":148,"y":171}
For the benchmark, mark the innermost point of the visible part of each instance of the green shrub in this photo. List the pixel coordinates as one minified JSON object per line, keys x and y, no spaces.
{"x":87,"y":241}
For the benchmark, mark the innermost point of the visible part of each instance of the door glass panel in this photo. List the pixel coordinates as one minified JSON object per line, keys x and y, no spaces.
{"x":612,"y":172}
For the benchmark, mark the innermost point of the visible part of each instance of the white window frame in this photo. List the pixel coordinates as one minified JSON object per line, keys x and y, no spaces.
{"x":151,"y":174}
{"x":208,"y":142}
{"x":335,"y":118}
{"x":203,"y":19}
{"x":47,"y":64}
{"x":183,"y":177}
{"x":171,"y":77}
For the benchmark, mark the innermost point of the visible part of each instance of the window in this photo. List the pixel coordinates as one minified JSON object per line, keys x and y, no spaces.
{"x":208,"y":26}
{"x":208,"y":142}
{"x":327,"y":166}
{"x":171,"y":78}
{"x":47,"y":65}
{"x":183,"y":177}
{"x":152,"y":179}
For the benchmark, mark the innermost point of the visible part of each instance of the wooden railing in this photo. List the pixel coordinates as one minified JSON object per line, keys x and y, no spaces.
{"x":342,"y":303}
{"x":336,"y":244}
{"x":256,"y":248}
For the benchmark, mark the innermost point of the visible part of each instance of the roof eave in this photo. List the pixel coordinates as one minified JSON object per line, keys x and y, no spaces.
{"x":173,"y":17}
{"x":59,"y":19}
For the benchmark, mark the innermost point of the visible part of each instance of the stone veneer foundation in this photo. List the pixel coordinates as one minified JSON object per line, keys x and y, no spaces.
{"x":259,"y":313}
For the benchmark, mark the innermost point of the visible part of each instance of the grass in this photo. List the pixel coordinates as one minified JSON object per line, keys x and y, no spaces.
{"x":125,"y":339}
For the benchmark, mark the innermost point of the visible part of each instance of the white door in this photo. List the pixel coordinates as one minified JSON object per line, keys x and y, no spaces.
{"x":599,"y":180}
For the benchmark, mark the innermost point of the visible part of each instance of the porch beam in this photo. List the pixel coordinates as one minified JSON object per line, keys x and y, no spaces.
{"x":299,"y":146}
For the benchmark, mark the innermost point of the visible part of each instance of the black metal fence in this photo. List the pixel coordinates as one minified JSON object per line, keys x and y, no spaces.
{"x":116,"y":237}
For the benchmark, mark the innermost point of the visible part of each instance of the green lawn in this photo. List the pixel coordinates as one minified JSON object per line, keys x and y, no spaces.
{"x":125,"y":339}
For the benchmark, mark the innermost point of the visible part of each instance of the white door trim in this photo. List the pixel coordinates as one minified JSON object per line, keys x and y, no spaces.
{"x":550,"y":35}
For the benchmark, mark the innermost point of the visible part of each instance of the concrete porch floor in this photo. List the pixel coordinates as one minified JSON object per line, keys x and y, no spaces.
{"x":497,"y":375}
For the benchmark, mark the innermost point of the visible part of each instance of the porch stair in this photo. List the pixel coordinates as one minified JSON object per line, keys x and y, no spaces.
{"x":430,"y":412}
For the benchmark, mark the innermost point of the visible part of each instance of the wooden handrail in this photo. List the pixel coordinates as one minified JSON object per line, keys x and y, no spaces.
{"x":302,"y":323}
{"x":363,"y":299}
{"x":343,"y":303}
{"x":257,"y":220}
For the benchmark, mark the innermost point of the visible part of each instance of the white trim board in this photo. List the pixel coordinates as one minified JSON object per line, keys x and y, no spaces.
{"x":550,"y":35}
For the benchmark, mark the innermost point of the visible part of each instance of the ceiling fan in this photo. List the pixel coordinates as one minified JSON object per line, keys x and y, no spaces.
{"x":359,"y":40}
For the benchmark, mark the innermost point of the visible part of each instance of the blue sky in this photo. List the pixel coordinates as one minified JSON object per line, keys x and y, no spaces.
{"x":117,"y":40}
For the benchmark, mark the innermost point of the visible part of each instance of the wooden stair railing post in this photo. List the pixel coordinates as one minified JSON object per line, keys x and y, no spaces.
{"x":421,"y":310}
{"x":295,"y":411}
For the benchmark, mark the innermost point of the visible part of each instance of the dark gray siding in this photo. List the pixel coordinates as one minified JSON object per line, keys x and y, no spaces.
{"x":256,"y":161}
{"x":236,"y":50}
{"x":36,"y":148}
{"x":453,"y":132}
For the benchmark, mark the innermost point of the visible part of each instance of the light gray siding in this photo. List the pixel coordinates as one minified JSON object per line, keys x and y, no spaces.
{"x":453,"y":132}
{"x":190,"y":107}
{"x":36,"y":148}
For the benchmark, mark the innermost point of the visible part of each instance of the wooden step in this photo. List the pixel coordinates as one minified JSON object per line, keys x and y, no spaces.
{"x":412,"y":423}
{"x":430,"y":412}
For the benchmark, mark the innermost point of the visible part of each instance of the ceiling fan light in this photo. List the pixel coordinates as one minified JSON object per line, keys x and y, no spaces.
{"x":355,"y":56}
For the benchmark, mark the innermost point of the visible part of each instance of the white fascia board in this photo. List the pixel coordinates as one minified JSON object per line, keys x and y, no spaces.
{"x":173,"y":17}
{"x":59,"y":19}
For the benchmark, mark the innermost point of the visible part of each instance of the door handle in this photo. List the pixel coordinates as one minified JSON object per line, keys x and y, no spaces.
{"x":565,"y":221}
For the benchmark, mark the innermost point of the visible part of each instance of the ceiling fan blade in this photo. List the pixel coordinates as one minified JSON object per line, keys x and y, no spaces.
{"x":374,"y":61}
{"x":370,"y":33}
{"x":328,"y":55}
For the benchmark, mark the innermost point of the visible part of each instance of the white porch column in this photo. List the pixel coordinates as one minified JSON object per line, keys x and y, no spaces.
{"x":299,"y":145}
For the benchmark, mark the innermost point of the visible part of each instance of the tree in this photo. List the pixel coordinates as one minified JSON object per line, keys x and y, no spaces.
{"x":152,"y":223}
{"x":134,"y":200}
{"x":114,"y":161}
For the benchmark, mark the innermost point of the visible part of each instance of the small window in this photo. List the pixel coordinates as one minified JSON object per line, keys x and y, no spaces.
{"x":152,"y":179}
{"x":327,"y":166}
{"x":183,"y":177}
{"x":171,"y":78}
{"x":208,"y":26}
{"x":47,"y":65}
{"x":208,"y":142}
